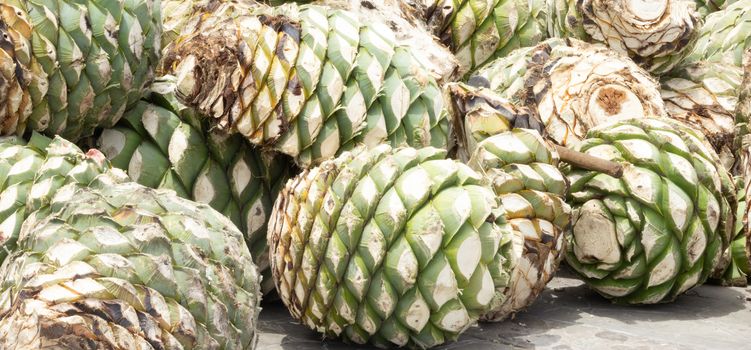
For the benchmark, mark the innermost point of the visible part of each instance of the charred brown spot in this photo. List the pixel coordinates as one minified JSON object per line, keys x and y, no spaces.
{"x":292,"y":30}
{"x":54,"y":331}
{"x":479,"y":81}
{"x":572,"y":21}
{"x":7,"y":45}
{"x":294,"y":86}
{"x":611,"y":100}
{"x":6,"y":42}
{"x":151,"y":330}
{"x":214,"y":55}
{"x":115,"y":312}
{"x":281,"y":23}
{"x":548,"y":239}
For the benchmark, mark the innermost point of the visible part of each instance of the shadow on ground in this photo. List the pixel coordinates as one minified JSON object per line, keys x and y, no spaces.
{"x":570,"y":316}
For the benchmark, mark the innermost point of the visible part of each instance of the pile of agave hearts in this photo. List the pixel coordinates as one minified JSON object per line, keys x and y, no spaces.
{"x":393,"y":172}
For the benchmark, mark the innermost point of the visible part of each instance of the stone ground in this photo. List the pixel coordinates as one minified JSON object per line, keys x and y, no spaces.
{"x":570,"y":316}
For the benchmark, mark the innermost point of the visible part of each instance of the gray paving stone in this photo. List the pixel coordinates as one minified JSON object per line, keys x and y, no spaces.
{"x":570,"y":316}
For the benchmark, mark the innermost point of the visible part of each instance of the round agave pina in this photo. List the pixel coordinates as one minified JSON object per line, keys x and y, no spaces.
{"x":158,"y":145}
{"x":572,"y":86}
{"x":31,"y":172}
{"x":532,"y":189}
{"x":663,"y":227}
{"x":704,"y":95}
{"x":390,"y":246}
{"x":308,"y":81}
{"x":725,"y":35}
{"x":71,"y":66}
{"x":121,"y":266}
{"x":656,"y":34}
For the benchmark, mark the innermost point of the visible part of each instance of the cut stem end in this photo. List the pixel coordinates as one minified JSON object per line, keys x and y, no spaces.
{"x":588,"y":162}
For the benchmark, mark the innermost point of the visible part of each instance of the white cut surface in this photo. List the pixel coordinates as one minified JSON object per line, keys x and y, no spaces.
{"x":24,"y":165}
{"x":109,"y":239}
{"x":595,"y":235}
{"x":7,"y":227}
{"x":150,"y":120}
{"x":346,"y":312}
{"x":112,"y":142}
{"x":647,"y":10}
{"x":445,"y":287}
{"x":57,"y":293}
{"x":65,"y":251}
{"x":241,"y":176}
{"x":203,"y":190}
{"x":684,"y":168}
{"x":642,"y":183}
{"x":468,"y":255}
{"x":256,"y":217}
{"x":178,"y":146}
{"x":10,"y":152}
{"x":358,"y":279}
{"x":680,"y":206}
{"x":413,"y":184}
{"x":516,"y":206}
{"x":41,"y":188}
{"x":185,"y":77}
{"x":330,"y":145}
{"x":665,"y":270}
{"x":713,"y":212}
{"x":417,"y":315}
{"x":649,"y":237}
{"x":527,"y":229}
{"x":408,"y":267}
{"x":696,"y":243}
{"x":642,"y":150}
{"x":607,"y":152}
{"x":8,"y":198}
{"x":76,"y":269}
{"x":376,"y":131}
{"x":485,"y":294}
{"x":455,"y":320}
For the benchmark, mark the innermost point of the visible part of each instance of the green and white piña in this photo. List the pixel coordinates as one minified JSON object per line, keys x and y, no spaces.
{"x":162,"y":144}
{"x":102,"y":262}
{"x":661,"y":229}
{"x":308,"y":81}
{"x":390,"y":246}
{"x":68,"y":67}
